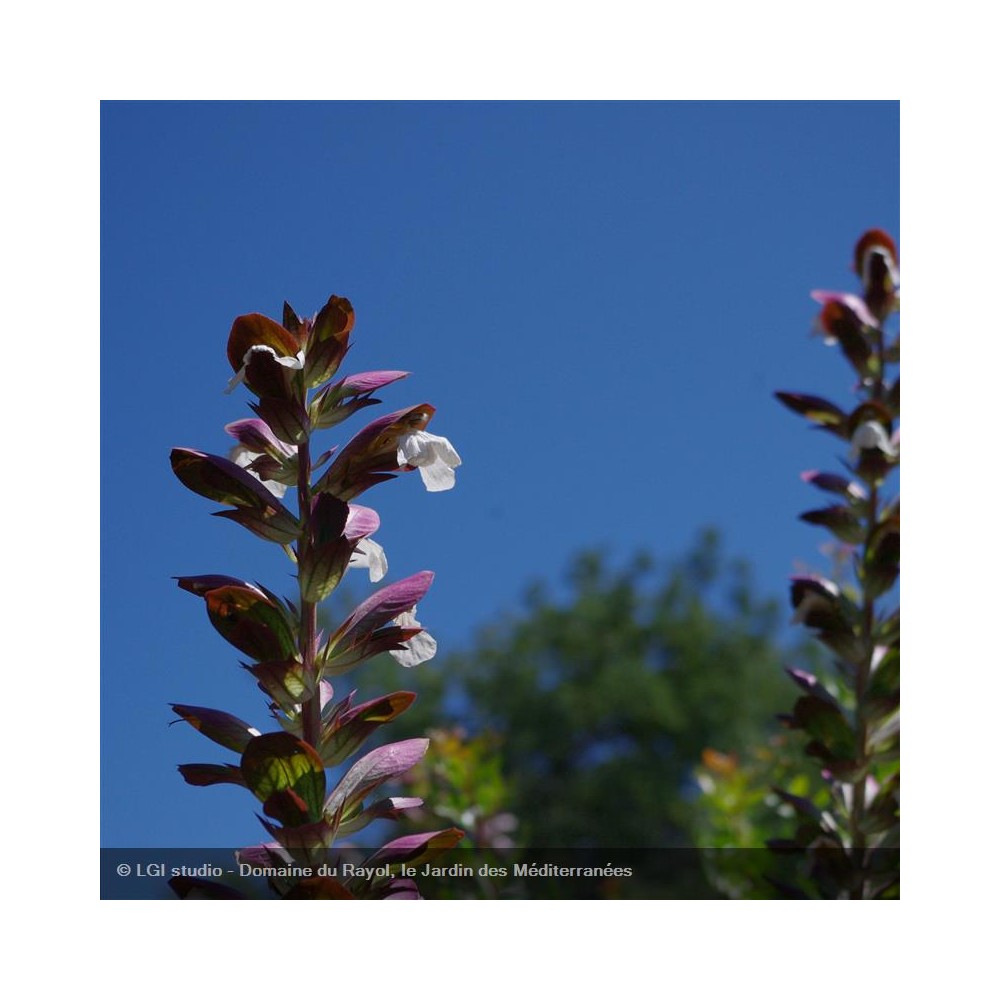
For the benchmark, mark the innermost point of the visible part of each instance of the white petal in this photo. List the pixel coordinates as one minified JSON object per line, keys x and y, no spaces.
{"x":419,"y":649}
{"x":871,"y":434}
{"x":444,"y":451}
{"x":411,"y":450}
{"x":235,"y":380}
{"x":298,"y":361}
{"x":434,"y":456}
{"x":371,"y":555}
{"x":437,"y":477}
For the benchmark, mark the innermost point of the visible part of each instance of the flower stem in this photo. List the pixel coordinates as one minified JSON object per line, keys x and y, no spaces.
{"x":864,"y":667}
{"x":311,"y":721}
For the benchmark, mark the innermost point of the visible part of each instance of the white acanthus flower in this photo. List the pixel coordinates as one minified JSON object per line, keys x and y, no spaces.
{"x":371,"y":555}
{"x":871,"y":435}
{"x":419,"y":649}
{"x":434,"y":456}
{"x":298,"y":362}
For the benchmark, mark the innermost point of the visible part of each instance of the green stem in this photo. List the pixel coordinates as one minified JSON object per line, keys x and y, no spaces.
{"x":862,"y":674}
{"x":311,"y":721}
{"x":864,"y":668}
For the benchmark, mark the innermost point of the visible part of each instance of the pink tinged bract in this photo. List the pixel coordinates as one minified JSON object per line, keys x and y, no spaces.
{"x":361,"y":522}
{"x":855,"y":303}
{"x":356,"y":385}
{"x":257,"y":436}
{"x":374,"y":769}
{"x":416,"y":847}
{"x":382,"y":607}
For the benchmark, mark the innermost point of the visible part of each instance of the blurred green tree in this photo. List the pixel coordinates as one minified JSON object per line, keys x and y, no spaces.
{"x":606,"y":698}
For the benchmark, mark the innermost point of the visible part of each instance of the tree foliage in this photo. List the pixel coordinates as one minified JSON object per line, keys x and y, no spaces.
{"x":605,"y":697}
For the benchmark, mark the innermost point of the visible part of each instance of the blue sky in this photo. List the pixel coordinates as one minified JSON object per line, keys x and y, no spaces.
{"x":600,"y":300}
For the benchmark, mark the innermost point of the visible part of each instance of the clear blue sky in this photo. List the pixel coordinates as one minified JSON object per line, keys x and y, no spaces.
{"x":598,"y":298}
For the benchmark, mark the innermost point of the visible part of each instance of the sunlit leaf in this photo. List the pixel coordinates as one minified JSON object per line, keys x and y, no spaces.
{"x":277,"y":761}
{"x":286,"y":681}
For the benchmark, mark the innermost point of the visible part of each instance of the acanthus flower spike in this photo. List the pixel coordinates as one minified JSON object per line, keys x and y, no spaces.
{"x":288,"y":654}
{"x":876,"y":262}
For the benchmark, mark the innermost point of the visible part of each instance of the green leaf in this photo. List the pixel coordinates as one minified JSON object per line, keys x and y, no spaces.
{"x":321,"y":569}
{"x":275,"y":762}
{"x":286,"y":681}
